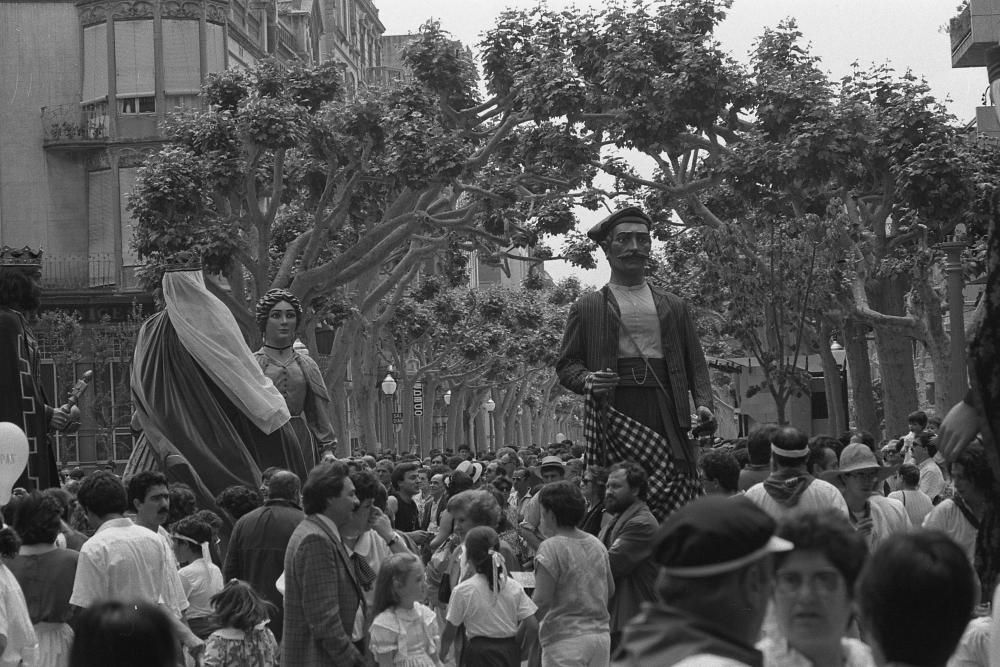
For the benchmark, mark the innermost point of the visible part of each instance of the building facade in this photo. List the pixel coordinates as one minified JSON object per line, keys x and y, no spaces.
{"x":84,"y":88}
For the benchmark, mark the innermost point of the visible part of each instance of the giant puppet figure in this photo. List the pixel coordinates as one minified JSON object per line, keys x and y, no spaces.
{"x":296,"y":375}
{"x":631,"y":348}
{"x":22,"y":398}
{"x":209,"y":417}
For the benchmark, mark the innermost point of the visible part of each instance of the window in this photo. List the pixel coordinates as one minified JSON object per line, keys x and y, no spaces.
{"x":101,"y":227}
{"x":181,"y":57}
{"x":95,"y":62}
{"x":133,"y":105}
{"x":134,"y":59}
{"x":126,"y":181}
{"x":215,"y":42}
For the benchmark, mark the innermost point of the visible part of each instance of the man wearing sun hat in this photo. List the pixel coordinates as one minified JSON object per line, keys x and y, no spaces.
{"x":632,"y":349}
{"x":858,"y":476}
{"x":714,"y":582}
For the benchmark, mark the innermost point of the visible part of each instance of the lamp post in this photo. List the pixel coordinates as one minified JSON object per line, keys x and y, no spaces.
{"x":956,"y":314}
{"x":447,"y":404}
{"x":389,"y":386}
{"x":490,"y":406}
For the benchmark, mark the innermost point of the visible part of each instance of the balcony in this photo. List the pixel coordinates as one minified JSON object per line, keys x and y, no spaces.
{"x":75,"y":126}
{"x":73,"y":272}
{"x":973,"y":32}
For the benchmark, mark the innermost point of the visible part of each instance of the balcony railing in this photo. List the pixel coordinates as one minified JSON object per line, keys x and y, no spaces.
{"x":78,"y":272}
{"x":973,"y":32}
{"x":75,"y":125}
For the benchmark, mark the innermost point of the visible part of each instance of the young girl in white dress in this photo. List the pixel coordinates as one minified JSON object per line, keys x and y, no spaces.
{"x":405,"y":632}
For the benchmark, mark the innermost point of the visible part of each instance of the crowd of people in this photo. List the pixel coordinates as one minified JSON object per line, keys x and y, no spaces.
{"x":515,"y":557}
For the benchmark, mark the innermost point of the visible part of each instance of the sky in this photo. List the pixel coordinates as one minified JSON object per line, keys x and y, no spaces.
{"x":904,"y":33}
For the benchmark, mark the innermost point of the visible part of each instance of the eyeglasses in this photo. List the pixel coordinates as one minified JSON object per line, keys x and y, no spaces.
{"x":518,"y":479}
{"x":824,"y":582}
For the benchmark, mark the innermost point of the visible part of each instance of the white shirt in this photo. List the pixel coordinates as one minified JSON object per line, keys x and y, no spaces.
{"x":124,"y":561}
{"x":201,"y":580}
{"x":819,"y":495}
{"x":916,"y":502}
{"x":487,"y":613}
{"x":931,"y":478}
{"x":947,"y":518}
{"x":888,"y":517}
{"x":15,"y":623}
{"x":640,"y":326}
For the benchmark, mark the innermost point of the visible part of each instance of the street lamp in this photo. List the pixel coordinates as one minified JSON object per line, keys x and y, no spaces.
{"x":447,"y":397}
{"x":490,"y":406}
{"x":389,"y":384}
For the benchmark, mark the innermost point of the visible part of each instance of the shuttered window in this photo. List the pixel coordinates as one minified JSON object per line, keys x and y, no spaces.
{"x":216,"y":43}
{"x":181,"y":61}
{"x":95,"y":62}
{"x":101,"y":223}
{"x":126,"y":183}
{"x":134,"y":58}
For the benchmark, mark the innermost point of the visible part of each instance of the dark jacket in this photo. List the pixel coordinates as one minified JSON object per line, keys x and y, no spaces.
{"x":590,"y":343}
{"x":663,"y":635}
{"x":256,"y":551}
{"x":629,"y":538}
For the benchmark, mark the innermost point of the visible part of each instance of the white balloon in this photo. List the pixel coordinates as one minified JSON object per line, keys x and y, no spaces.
{"x":13,"y":458}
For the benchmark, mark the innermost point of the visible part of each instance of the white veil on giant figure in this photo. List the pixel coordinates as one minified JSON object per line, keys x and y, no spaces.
{"x":209,"y":417}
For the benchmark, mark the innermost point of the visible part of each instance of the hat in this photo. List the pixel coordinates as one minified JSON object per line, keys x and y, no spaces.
{"x":473,"y":469}
{"x":600,"y":231}
{"x":859,"y":456}
{"x":714,"y":535}
{"x":549,"y":462}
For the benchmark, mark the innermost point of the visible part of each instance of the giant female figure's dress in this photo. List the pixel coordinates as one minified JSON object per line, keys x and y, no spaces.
{"x":209,"y":417}
{"x":299,"y":380}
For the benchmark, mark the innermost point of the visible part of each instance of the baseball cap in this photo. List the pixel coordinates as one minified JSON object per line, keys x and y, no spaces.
{"x":713,"y":535}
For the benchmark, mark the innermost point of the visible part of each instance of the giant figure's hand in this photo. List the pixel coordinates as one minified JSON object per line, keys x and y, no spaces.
{"x":959,"y":427}
{"x":603,"y":382}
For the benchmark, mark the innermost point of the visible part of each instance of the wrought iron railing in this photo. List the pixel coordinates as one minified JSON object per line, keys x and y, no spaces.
{"x":75,"y":123}
{"x":78,"y":272}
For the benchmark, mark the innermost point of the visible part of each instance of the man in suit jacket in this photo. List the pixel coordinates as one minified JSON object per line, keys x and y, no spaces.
{"x":629,"y":539}
{"x":635,"y":344}
{"x":324,"y":611}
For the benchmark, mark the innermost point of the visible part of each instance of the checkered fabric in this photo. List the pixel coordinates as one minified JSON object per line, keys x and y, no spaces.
{"x":613,"y":437}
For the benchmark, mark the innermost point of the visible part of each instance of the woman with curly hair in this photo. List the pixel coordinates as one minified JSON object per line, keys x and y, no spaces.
{"x":45,"y":573}
{"x":295,"y":374}
{"x":814,"y":593}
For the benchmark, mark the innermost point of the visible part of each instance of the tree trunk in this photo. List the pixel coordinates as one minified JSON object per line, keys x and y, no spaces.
{"x":859,"y":373}
{"x":895,"y":357}
{"x":937,"y":343}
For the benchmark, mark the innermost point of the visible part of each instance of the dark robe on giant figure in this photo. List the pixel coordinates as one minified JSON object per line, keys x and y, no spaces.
{"x":22,"y":398}
{"x":209,"y":417}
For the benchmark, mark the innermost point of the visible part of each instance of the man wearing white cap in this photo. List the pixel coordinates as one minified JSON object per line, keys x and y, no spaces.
{"x":714,"y":583}
{"x":790,"y":487}
{"x":632,"y":349}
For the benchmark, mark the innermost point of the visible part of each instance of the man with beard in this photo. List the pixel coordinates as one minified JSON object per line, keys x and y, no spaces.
{"x":633,"y":351}
{"x":22,"y":399}
{"x":629,"y":539}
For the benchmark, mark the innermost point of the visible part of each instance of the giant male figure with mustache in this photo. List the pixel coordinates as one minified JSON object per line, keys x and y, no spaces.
{"x":631,"y":348}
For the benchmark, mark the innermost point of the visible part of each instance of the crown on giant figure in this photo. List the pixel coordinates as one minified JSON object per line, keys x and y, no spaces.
{"x":21,"y":257}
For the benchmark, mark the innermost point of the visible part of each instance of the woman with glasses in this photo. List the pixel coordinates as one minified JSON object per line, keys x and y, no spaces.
{"x":592,"y":483}
{"x":813,"y":594}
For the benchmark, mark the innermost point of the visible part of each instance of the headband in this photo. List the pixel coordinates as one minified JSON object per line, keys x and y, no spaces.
{"x":790,"y":453}
{"x":205,"y":553}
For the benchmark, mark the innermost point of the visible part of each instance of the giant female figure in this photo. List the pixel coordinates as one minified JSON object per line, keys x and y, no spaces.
{"x":295,"y":375}
{"x":209,"y":417}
